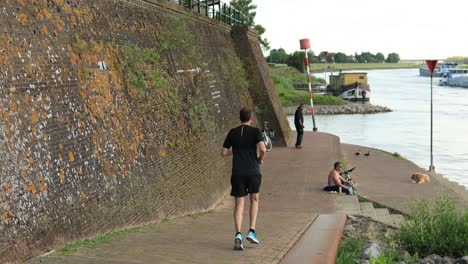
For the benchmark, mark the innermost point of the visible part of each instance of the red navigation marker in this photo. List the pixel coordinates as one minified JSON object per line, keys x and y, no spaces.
{"x":431,"y":64}
{"x":305,"y":44}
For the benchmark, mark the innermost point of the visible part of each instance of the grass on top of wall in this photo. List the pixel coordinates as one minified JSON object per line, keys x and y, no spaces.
{"x":284,"y":79}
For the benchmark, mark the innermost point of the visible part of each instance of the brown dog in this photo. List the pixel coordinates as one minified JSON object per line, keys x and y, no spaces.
{"x":420,"y":178}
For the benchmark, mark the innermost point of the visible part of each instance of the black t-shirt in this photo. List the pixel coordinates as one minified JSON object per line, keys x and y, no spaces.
{"x":244,"y":140}
{"x":298,"y":116}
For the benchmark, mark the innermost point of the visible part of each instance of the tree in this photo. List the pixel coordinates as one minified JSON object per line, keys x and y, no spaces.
{"x":393,"y":58}
{"x":296,"y":59}
{"x":340,"y":57}
{"x":247,"y":11}
{"x":277,"y":56}
{"x":368,"y":57}
{"x":380,"y":57}
{"x":263,"y":41}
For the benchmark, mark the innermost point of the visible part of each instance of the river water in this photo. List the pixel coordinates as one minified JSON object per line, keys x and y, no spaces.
{"x":406,"y":130}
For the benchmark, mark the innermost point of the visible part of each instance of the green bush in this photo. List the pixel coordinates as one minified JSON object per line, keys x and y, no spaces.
{"x":349,"y":252}
{"x":390,"y":256}
{"x":435,"y":227}
{"x":284,"y":79}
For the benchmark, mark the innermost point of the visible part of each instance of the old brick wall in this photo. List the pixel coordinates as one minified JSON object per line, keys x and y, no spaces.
{"x":112,"y":114}
{"x":261,"y":87}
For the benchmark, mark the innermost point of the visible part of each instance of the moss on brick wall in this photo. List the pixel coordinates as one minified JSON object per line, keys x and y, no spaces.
{"x":112,"y":115}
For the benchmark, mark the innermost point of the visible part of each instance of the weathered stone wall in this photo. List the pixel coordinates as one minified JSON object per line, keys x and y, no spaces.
{"x":112,"y":114}
{"x":262,"y":89}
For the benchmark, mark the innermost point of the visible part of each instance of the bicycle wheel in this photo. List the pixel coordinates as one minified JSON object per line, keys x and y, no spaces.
{"x":268,"y":144}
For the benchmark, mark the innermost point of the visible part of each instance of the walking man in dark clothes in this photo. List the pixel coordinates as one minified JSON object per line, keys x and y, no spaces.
{"x":242,"y":143}
{"x":299,"y":123}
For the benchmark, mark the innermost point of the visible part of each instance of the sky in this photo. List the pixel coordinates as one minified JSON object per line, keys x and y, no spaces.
{"x":415,"y":29}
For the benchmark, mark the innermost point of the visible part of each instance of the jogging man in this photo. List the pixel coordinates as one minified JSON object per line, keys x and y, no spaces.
{"x":242,"y":143}
{"x":299,"y":124}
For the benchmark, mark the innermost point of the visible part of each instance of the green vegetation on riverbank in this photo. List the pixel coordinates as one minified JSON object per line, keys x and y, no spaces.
{"x":435,"y":227}
{"x":285,"y":77}
{"x":335,"y":67}
{"x":431,"y":227}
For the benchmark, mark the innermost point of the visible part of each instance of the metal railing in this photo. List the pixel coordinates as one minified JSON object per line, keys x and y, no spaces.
{"x":214,"y":9}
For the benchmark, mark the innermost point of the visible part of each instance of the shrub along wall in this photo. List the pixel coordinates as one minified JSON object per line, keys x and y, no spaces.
{"x":112,"y":115}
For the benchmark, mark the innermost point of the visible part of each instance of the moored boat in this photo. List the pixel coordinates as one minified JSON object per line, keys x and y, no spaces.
{"x":455,"y":78}
{"x":350,"y":86}
{"x":440,"y":70}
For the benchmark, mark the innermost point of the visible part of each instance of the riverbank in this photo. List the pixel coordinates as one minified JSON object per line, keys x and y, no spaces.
{"x":346,"y":108}
{"x":360,"y":66}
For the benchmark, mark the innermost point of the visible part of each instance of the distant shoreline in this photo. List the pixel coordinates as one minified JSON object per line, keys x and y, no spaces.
{"x":321,"y":67}
{"x":344,"y":109}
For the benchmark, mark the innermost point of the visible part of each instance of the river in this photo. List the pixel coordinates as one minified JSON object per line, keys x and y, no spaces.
{"x":406,"y":130}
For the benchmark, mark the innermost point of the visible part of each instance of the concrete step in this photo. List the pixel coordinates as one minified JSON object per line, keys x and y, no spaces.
{"x":350,"y":205}
{"x":367,"y":208}
{"x":347,"y":204}
{"x":381,"y":212}
{"x":398,"y":219}
{"x":394,"y":220}
{"x":319,"y":244}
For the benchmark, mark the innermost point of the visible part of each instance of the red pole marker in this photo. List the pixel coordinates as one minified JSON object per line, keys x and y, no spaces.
{"x":305,"y":45}
{"x":431,"y":64}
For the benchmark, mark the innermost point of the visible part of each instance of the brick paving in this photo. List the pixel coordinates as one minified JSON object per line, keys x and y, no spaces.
{"x":290,"y":200}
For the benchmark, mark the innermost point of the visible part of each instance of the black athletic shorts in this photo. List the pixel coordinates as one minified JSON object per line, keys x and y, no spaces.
{"x":243,"y":185}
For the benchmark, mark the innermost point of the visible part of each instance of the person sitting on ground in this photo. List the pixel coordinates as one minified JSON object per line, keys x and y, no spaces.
{"x":335,"y":181}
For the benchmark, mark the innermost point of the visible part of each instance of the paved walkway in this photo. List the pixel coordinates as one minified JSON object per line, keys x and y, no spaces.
{"x":290,"y":200}
{"x":383,"y":178}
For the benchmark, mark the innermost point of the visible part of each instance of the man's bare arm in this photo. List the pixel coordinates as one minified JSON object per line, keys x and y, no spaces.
{"x":226,"y":152}
{"x":262,"y":147}
{"x":337,"y":179}
{"x":342,"y":179}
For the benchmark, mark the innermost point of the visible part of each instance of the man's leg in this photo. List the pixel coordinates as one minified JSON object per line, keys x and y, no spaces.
{"x":251,"y":235}
{"x":298,"y":142}
{"x":253,"y":210}
{"x":238,"y":211}
{"x":300,"y":136}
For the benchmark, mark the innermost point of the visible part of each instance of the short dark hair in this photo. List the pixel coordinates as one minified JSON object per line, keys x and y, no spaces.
{"x":337,"y":164}
{"x":245,"y":114}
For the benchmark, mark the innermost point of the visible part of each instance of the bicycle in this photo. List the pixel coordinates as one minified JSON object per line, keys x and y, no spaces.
{"x":268,"y":134}
{"x":350,"y":185}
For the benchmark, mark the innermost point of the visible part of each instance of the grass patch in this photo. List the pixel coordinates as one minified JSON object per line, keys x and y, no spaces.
{"x":200,"y":214}
{"x":435,"y":227}
{"x":284,"y":79}
{"x":398,"y":156}
{"x":93,"y":242}
{"x":349,"y":251}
